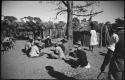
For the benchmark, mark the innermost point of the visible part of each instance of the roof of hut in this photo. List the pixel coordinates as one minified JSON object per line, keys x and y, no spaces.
{"x":84,"y":26}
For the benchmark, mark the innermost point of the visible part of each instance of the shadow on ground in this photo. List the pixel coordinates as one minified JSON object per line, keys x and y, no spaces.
{"x":72,"y":63}
{"x":101,"y":53}
{"x":86,"y":49}
{"x":57,"y":75}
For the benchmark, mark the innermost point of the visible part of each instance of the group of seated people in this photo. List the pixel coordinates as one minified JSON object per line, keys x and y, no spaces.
{"x":8,"y":42}
{"x":33,"y":47}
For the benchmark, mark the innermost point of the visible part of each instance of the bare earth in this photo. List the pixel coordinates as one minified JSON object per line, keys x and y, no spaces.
{"x":16,"y":65}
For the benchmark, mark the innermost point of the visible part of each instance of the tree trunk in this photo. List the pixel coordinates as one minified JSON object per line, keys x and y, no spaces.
{"x":69,"y":32}
{"x":101,"y":36}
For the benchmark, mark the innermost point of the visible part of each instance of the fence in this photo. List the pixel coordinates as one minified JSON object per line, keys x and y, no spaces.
{"x":54,"y":33}
{"x":84,"y":36}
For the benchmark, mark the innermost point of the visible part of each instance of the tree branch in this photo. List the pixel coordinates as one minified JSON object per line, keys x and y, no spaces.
{"x":65,"y":3}
{"x":87,"y":5}
{"x":60,"y":12}
{"x":89,"y":14}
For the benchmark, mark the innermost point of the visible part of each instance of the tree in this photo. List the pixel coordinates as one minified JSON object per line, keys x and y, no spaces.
{"x":77,"y":10}
{"x":9,"y":25}
{"x":61,"y":24}
{"x":118,"y":23}
{"x":33,"y":23}
{"x":39,"y":26}
{"x":75,"y":23}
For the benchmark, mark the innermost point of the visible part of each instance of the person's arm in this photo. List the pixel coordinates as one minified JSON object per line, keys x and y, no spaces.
{"x":116,"y":38}
{"x":37,"y":50}
{"x":26,"y":46}
{"x":56,"y":50}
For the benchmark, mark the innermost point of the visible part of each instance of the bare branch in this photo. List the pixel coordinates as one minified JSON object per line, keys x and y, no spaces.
{"x":87,"y":5}
{"x":60,"y":8}
{"x":60,"y":12}
{"x":93,"y":14}
{"x":81,"y":10}
{"x":65,"y":3}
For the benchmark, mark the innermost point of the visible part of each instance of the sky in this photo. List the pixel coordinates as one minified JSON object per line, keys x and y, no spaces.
{"x":46,"y":11}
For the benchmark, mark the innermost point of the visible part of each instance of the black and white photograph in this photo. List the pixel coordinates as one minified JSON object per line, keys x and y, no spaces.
{"x":62,"y":40}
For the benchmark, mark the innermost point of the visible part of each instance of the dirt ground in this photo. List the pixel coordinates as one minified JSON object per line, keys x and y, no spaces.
{"x":16,"y":65}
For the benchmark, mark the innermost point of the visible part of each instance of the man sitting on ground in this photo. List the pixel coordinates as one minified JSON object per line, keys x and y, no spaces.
{"x":59,"y":51}
{"x":64,"y":40}
{"x":81,"y":55}
{"x":48,"y":42}
{"x":28,"y":45}
{"x":41,"y":44}
{"x":35,"y":51}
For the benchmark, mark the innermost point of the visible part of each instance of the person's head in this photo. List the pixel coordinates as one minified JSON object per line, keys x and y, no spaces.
{"x":56,"y":44}
{"x":36,"y":43}
{"x":38,"y":38}
{"x":65,"y":37}
{"x":112,"y":31}
{"x":30,"y":39}
{"x":78,"y":45}
{"x":48,"y":37}
{"x":92,"y":25}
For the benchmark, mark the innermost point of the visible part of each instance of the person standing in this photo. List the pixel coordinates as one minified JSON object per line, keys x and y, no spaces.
{"x":111,"y":48}
{"x":116,"y":66}
{"x":93,"y":39}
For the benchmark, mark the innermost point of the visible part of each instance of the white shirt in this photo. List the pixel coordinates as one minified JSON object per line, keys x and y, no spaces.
{"x":60,"y":52}
{"x":34,"y":51}
{"x":93,"y":39}
{"x":115,"y":39}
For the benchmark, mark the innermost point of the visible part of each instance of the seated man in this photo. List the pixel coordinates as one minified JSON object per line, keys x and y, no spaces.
{"x":35,"y":51}
{"x":28,"y":46}
{"x":48,"y":42}
{"x":59,"y":51}
{"x":65,"y":46}
{"x":64,"y":39}
{"x":41,"y":44}
{"x":81,"y":55}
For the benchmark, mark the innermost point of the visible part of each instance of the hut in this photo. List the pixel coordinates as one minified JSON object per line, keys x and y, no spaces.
{"x":82,"y":33}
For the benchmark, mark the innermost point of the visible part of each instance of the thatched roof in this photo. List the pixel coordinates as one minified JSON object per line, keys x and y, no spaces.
{"x":84,"y":26}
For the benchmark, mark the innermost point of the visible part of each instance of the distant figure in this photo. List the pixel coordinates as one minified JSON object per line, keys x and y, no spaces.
{"x":81,"y":55}
{"x":48,"y":42}
{"x":28,"y":45}
{"x":64,"y":40}
{"x":93,"y":39}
